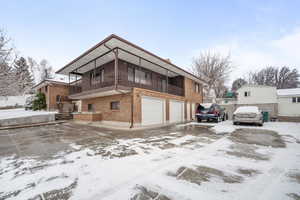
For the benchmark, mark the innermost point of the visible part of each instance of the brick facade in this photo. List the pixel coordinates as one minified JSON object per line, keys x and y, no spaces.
{"x":102,"y":105}
{"x":51,"y":90}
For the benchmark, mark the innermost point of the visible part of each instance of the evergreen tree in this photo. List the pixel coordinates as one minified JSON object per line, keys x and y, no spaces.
{"x":24,"y":78}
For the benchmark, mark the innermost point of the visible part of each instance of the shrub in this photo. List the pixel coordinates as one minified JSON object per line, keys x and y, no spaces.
{"x":39,"y":102}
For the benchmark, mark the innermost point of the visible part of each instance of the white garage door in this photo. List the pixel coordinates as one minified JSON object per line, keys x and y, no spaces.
{"x":153,"y":110}
{"x":176,"y":111}
{"x":193,"y":111}
{"x":188,"y":111}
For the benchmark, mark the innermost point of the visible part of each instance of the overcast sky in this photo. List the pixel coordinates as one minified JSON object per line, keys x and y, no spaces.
{"x":255,"y":33}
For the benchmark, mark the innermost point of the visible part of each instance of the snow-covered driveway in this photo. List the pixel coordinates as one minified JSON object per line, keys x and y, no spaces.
{"x":71,"y":161}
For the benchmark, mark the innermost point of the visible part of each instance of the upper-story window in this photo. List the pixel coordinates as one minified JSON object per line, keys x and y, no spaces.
{"x":163,"y":84}
{"x":197,"y":88}
{"x":96,"y":76}
{"x":131,"y":74}
{"x":247,"y":94}
{"x":139,"y":76}
{"x":296,"y":99}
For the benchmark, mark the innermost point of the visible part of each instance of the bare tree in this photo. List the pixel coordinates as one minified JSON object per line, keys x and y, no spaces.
{"x":7,"y":82}
{"x":238,"y":83}
{"x":280,"y":78}
{"x":46,"y":70}
{"x":215,"y":68}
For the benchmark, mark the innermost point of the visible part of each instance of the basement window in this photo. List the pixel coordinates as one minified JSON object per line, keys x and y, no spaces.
{"x":90,"y":108}
{"x":115,"y":105}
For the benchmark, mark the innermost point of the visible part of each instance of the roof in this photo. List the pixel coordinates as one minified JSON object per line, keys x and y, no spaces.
{"x":57,"y":79}
{"x":289,"y":92}
{"x":114,"y":41}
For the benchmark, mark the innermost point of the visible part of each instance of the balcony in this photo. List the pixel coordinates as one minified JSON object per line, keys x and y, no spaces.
{"x":170,"y":89}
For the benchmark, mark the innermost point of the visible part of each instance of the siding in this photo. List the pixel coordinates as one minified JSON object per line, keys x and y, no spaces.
{"x":258,"y":95}
{"x":287,"y":108}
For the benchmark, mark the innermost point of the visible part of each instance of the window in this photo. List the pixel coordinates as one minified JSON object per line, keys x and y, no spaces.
{"x":163,"y":85}
{"x":92,"y":78}
{"x":115,"y":105}
{"x":143,"y":77}
{"x":90,"y":108}
{"x":46,"y":88}
{"x":102,"y":75}
{"x":247,"y":94}
{"x":148,"y":78}
{"x":131,"y":74}
{"x":296,"y":99}
{"x":58,"y":98}
{"x":197,"y":88}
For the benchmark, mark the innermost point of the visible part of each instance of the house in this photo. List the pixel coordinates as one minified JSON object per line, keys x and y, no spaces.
{"x":289,"y":104}
{"x":120,"y":83}
{"x":262,"y":96}
{"x":56,"y":90}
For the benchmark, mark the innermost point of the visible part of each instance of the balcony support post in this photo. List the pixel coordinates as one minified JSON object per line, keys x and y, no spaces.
{"x":167,"y":81}
{"x":140,"y":65}
{"x":116,"y":67}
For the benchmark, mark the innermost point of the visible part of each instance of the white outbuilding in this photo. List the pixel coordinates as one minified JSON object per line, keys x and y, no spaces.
{"x":289,"y":104}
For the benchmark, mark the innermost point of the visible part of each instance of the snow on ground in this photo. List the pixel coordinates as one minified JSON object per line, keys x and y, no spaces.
{"x":20,"y":112}
{"x":202,"y":170}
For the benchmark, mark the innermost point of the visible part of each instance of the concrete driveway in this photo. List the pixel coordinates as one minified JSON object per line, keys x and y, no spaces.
{"x":73,"y":161}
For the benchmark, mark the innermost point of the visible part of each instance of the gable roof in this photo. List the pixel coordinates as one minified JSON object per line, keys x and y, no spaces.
{"x":114,"y":41}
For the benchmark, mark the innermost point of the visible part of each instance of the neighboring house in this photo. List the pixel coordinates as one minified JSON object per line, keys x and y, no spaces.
{"x":265,"y":97}
{"x":122,"y":83}
{"x":56,"y":90}
{"x":289,"y":104}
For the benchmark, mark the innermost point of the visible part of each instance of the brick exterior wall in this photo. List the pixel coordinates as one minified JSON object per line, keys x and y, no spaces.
{"x":51,"y":92}
{"x":102,"y":105}
{"x":88,"y":116}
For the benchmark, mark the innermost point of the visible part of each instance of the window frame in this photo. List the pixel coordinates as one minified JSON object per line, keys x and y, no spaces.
{"x":58,"y":98}
{"x":116,"y":107}
{"x":90,"y":107}
{"x":131,"y":79}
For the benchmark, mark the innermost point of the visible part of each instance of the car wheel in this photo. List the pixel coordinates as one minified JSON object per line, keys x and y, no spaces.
{"x":198,"y":120}
{"x":235,"y":123}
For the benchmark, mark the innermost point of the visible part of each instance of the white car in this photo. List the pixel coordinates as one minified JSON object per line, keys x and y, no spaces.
{"x":248,"y":114}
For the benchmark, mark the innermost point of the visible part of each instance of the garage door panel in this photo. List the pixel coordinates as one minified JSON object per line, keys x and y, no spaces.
{"x":176,"y":111}
{"x":153,"y":110}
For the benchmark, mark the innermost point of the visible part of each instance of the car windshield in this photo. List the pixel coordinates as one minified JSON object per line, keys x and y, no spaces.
{"x":202,"y":108}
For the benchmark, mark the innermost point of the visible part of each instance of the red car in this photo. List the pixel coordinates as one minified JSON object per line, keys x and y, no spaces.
{"x":210,"y":111}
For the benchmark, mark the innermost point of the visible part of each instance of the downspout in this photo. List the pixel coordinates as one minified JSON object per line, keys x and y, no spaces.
{"x":132,"y":107}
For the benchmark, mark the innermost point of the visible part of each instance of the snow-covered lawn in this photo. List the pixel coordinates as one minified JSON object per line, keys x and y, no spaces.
{"x":185,"y":162}
{"x":20,"y":112}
